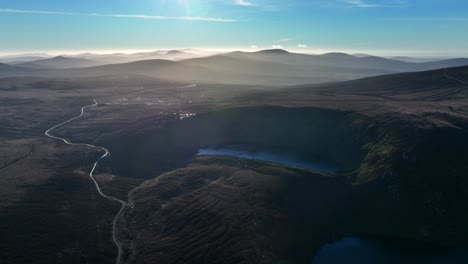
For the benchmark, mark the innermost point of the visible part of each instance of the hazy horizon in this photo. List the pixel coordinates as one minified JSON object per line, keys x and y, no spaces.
{"x":415,"y":54}
{"x":433,"y":28}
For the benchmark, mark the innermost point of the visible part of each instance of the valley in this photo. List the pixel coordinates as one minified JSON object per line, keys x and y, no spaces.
{"x":387,"y":135}
{"x":233,"y":132}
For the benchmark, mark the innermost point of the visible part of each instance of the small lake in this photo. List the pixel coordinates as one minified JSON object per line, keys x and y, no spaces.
{"x":373,"y":251}
{"x":267,"y":156}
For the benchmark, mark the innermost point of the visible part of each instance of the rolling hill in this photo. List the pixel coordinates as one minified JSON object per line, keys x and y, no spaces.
{"x":439,"y":79}
{"x":415,"y":151}
{"x":335,"y":62}
{"x":60,"y":62}
{"x":7,"y":70}
{"x":22,"y":58}
{"x":268,"y":67}
{"x":173,"y":55}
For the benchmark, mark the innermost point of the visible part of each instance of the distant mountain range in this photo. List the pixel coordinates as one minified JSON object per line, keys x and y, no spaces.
{"x":60,"y":62}
{"x":102,"y":59}
{"x":267,"y":67}
{"x":173,"y":55}
{"x":15,"y":59}
{"x":403,"y":58}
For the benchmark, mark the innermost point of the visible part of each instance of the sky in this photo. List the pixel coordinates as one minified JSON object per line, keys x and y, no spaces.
{"x":380,"y":27}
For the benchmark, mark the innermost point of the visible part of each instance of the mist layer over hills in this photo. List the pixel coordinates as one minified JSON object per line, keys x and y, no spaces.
{"x":267,"y":67}
{"x":59,"y":62}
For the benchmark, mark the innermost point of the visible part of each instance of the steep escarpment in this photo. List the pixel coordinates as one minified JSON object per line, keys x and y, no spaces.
{"x":308,"y":134}
{"x":409,"y":183}
{"x":413,"y":183}
{"x":235,"y":210}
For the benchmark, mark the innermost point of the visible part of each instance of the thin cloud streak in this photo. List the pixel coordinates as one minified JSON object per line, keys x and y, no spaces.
{"x":366,"y":4}
{"x":244,"y":3}
{"x":360,"y":3}
{"x":187,"y":18}
{"x":284,"y":40}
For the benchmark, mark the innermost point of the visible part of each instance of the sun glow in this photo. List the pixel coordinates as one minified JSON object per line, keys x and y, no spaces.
{"x":183,"y":4}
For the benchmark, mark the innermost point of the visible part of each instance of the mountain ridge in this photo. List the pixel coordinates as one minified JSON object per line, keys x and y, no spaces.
{"x":278,"y":68}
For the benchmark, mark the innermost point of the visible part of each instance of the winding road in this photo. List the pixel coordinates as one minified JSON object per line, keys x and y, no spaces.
{"x":123,"y":204}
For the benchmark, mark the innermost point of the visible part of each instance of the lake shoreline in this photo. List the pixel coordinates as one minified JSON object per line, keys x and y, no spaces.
{"x":270,"y":157}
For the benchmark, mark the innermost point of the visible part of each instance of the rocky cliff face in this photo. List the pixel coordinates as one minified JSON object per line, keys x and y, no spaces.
{"x":416,"y":179}
{"x":410,"y":183}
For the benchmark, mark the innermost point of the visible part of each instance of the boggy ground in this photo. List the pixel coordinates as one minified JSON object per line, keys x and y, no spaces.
{"x":229,"y":210}
{"x":49,"y":210}
{"x":404,"y":175}
{"x":409,"y":184}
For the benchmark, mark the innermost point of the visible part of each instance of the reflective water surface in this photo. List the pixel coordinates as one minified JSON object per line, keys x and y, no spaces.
{"x":267,"y":156}
{"x":373,"y":251}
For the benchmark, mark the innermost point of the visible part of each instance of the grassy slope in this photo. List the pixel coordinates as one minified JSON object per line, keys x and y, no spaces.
{"x":410,"y":185}
{"x":232,"y":211}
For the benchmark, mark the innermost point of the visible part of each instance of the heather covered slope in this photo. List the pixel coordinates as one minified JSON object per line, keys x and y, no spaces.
{"x":7,"y":70}
{"x":221,"y":210}
{"x":400,"y":141}
{"x":436,"y":80}
{"x":242,"y":211}
{"x":409,"y":181}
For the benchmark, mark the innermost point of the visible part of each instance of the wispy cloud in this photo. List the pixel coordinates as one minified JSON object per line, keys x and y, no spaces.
{"x":302,"y":46}
{"x":373,"y":3}
{"x":360,"y":4}
{"x":277,"y":46}
{"x":189,"y":18}
{"x":284,"y":40}
{"x":261,"y":6}
{"x":244,"y":3}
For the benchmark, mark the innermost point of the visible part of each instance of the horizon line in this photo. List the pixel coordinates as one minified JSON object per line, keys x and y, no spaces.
{"x":383,"y":53}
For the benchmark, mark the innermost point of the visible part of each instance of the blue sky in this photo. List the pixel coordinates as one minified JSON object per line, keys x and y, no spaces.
{"x":406,"y":27}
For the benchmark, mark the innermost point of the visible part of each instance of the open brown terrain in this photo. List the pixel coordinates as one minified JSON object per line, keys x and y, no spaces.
{"x":410,"y":131}
{"x":50,"y":210}
{"x":45,"y":188}
{"x":226,"y":210}
{"x":400,"y":141}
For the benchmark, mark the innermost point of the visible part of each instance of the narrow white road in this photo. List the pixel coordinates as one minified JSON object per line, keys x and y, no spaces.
{"x":123,"y":204}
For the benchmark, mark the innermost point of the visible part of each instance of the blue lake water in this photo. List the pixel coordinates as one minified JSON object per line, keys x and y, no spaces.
{"x":370,"y":251}
{"x":266,"y":156}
